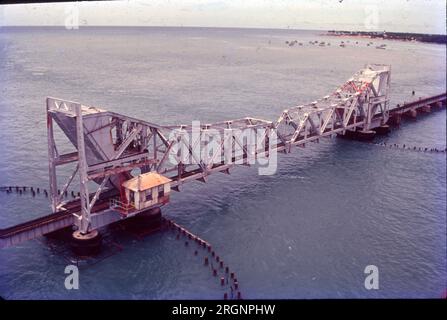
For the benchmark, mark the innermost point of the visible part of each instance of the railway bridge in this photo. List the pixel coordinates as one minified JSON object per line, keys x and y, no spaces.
{"x":127,"y":167}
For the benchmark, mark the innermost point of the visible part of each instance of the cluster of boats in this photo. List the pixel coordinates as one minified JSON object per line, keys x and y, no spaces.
{"x":294,"y":42}
{"x":324,"y":44}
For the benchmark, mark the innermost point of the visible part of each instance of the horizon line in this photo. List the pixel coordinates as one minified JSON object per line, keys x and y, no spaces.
{"x":215,"y":27}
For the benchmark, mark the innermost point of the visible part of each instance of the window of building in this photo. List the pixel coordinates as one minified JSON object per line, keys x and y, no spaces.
{"x":149,"y":195}
{"x":161,"y":191}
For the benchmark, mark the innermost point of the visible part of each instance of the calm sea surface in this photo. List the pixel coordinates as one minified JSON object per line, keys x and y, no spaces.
{"x":306,"y":232}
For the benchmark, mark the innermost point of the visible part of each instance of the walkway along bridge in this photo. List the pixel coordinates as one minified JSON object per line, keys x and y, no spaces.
{"x":109,"y":146}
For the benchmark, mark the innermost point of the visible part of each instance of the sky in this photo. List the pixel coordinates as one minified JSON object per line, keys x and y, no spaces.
{"x":423,"y":16}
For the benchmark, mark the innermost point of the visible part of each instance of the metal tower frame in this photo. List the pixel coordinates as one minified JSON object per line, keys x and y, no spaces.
{"x":109,"y":145}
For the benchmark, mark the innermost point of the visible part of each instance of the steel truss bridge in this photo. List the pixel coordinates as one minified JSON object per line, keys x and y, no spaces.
{"x":109,"y":145}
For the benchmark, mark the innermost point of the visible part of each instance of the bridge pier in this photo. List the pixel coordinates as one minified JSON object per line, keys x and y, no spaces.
{"x":382,"y":130}
{"x":365,"y":135}
{"x":395,"y":119}
{"x":411,"y":114}
{"x":439,"y":104}
{"x":144,"y":222}
{"x":88,"y":244}
{"x":360,"y":135}
{"x":426,"y":109}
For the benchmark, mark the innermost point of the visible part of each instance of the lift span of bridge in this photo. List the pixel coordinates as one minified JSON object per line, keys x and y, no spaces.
{"x":109,"y":146}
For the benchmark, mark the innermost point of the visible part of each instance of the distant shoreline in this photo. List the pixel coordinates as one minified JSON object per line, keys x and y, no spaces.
{"x":403,"y":36}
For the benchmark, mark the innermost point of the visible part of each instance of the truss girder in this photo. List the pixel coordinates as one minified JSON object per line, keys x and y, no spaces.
{"x":109,"y":145}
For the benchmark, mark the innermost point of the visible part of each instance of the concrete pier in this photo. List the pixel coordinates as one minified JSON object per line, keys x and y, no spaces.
{"x":395,"y":119}
{"x":359,"y":135}
{"x":426,"y":109}
{"x":412,"y":114}
{"x":86,"y":245}
{"x":144,"y":222}
{"x":382,"y":130}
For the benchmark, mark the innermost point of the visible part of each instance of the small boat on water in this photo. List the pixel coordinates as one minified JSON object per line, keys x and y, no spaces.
{"x":382,"y":46}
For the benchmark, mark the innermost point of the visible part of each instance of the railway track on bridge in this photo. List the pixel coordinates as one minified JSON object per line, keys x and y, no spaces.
{"x":109,"y":145}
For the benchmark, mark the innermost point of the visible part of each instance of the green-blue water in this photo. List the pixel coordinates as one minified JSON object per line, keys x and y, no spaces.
{"x":306,"y":232}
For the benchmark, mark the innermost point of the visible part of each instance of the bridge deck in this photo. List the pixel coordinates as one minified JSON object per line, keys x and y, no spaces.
{"x":61,"y":219}
{"x":43,"y":225}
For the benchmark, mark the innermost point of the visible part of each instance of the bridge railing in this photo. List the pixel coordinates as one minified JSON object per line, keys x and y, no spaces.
{"x":121,"y":206}
{"x":421,"y":101}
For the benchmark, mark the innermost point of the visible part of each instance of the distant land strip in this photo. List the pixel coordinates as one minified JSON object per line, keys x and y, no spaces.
{"x":422,"y":37}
